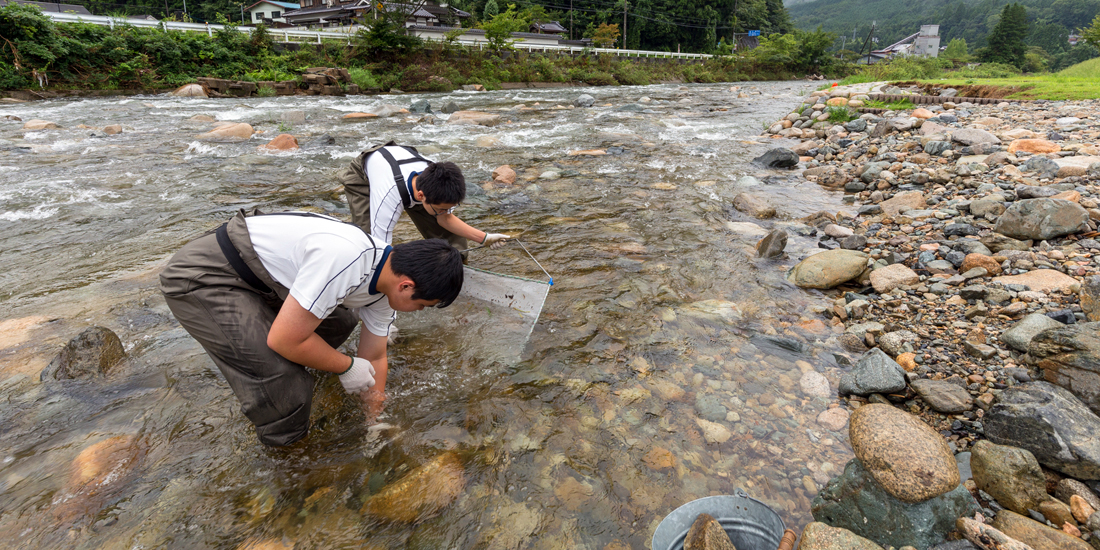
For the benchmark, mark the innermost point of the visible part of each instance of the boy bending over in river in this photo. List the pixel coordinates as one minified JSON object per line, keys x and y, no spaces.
{"x":386,"y":179}
{"x":271,"y":296}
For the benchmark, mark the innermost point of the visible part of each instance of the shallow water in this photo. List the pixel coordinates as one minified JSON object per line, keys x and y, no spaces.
{"x":585,"y":436}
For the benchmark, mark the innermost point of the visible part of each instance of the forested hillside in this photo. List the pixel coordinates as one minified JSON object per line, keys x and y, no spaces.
{"x":1050,"y":22}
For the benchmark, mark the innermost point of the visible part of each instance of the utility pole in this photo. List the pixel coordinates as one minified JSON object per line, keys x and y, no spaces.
{"x":626,"y":4}
{"x":185,"y":10}
{"x":570,"y":19}
{"x":242,"y":14}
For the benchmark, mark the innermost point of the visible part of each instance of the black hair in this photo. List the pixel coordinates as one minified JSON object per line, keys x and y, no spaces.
{"x":434,"y":266}
{"x":442,"y":183}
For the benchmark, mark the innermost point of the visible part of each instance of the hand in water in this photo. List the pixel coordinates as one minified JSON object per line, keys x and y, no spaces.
{"x":373,"y":402}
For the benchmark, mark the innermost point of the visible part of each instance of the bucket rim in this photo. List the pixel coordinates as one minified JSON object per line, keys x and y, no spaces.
{"x":669,"y":532}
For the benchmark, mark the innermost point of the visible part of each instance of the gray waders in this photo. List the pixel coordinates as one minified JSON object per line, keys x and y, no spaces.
{"x":221,"y":294}
{"x":357,"y":191}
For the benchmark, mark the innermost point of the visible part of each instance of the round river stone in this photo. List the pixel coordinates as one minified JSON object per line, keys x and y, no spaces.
{"x":908,"y":458}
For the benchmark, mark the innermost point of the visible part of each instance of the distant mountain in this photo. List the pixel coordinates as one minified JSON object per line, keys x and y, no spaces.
{"x":1050,"y":21}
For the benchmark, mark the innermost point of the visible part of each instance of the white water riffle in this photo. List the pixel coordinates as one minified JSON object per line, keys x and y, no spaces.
{"x":651,"y":378}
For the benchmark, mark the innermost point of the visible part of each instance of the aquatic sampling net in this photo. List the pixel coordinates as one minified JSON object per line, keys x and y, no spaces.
{"x":491,"y":319}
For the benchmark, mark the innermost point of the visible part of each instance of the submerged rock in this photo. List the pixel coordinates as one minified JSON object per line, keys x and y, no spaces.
{"x":93,"y":352}
{"x":421,"y":493}
{"x":772,"y":245}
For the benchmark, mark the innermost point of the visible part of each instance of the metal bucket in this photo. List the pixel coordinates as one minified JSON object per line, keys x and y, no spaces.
{"x":750,"y":524}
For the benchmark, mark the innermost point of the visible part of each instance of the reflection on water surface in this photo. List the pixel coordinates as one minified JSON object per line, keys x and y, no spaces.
{"x":668,"y":364}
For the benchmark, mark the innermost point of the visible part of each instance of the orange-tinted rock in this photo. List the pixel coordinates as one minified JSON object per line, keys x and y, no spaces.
{"x":1040,"y":280}
{"x":922,"y":114}
{"x":239,"y":130}
{"x":1033,"y":146}
{"x":659,"y":458}
{"x":112,"y":129}
{"x":474,"y":117}
{"x":588,"y":152}
{"x":39,"y":125}
{"x":1073,"y":196}
{"x":907,"y":361}
{"x":504,"y":174}
{"x":910,"y":460}
{"x":980,"y":260}
{"x":282,"y":142}
{"x":358,"y":117}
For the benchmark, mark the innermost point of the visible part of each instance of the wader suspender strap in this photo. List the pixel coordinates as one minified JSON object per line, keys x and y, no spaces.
{"x":237,"y":263}
{"x":398,"y":178}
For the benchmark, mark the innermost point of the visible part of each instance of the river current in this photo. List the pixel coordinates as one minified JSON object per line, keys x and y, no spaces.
{"x":665,"y":365}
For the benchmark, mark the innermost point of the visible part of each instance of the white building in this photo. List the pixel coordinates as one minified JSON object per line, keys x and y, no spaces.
{"x":268,"y":11}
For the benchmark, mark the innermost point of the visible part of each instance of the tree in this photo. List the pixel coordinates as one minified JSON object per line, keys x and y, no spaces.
{"x":499,"y":29}
{"x":1006,"y":40}
{"x":606,"y":35}
{"x":1091,"y":35}
{"x":956,"y":51}
{"x":491,"y":10}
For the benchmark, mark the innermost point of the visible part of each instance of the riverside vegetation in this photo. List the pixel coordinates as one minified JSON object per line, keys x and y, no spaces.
{"x":39,"y":53}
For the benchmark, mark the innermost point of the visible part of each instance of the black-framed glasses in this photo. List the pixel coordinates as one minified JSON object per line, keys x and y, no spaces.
{"x":438,"y":213}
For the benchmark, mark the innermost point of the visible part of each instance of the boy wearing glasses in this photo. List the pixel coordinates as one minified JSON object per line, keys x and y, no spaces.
{"x":271,"y":296}
{"x":384,"y":180}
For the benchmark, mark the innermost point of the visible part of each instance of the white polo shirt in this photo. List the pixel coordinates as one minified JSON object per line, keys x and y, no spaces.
{"x":325,"y":263}
{"x":385,"y":199}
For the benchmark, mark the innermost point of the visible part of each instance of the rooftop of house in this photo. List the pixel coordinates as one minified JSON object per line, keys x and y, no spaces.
{"x":51,"y":7}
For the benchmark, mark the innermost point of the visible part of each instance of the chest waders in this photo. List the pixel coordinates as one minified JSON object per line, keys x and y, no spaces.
{"x":357,"y":192}
{"x":221,"y":294}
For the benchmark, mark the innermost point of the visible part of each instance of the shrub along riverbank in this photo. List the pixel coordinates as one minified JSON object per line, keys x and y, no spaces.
{"x":39,"y":54}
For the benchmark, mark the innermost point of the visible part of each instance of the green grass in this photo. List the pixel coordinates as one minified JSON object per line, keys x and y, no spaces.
{"x":1081,"y":81}
{"x":1087,"y":69}
{"x":899,"y":105}
{"x":838,"y":115}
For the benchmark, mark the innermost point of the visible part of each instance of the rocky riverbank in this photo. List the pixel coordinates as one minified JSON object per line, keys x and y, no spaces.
{"x":970,"y":282}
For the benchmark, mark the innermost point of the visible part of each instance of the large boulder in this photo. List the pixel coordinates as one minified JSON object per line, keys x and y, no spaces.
{"x":1041,"y":219}
{"x":190,"y":90}
{"x":973,"y":136}
{"x":828,"y":269}
{"x":1070,"y":357}
{"x":93,"y":352}
{"x":1010,"y":475}
{"x":230,"y":131}
{"x":1019,"y":335}
{"x":907,"y":458}
{"x":1039,"y":280}
{"x":753,"y":205}
{"x":474,"y":117}
{"x":1050,"y":422}
{"x":875,"y":372}
{"x":906,"y":200}
{"x":943,"y":396}
{"x":887,"y":278}
{"x":778,"y":158}
{"x":856,"y":502}
{"x":1089,"y":297}
{"x":1033,"y":146}
{"x":282,"y":142}
{"x":1035,"y":534}
{"x":421,"y":493}
{"x":822,"y":536}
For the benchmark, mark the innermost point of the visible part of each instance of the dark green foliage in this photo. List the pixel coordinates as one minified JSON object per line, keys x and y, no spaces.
{"x":1006,"y":41}
{"x":384,"y":40}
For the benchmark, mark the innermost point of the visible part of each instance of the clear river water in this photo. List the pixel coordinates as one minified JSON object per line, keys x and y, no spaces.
{"x":665,"y":365}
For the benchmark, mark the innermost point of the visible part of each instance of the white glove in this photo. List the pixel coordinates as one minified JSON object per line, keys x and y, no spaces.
{"x":495,"y":240}
{"x":359,"y":377}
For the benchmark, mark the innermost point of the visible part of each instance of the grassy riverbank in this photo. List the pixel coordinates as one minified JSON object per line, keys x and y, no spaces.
{"x":1081,"y":81}
{"x":39,"y":54}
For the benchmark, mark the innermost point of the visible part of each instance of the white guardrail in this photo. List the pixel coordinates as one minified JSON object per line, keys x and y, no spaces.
{"x":299,"y":36}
